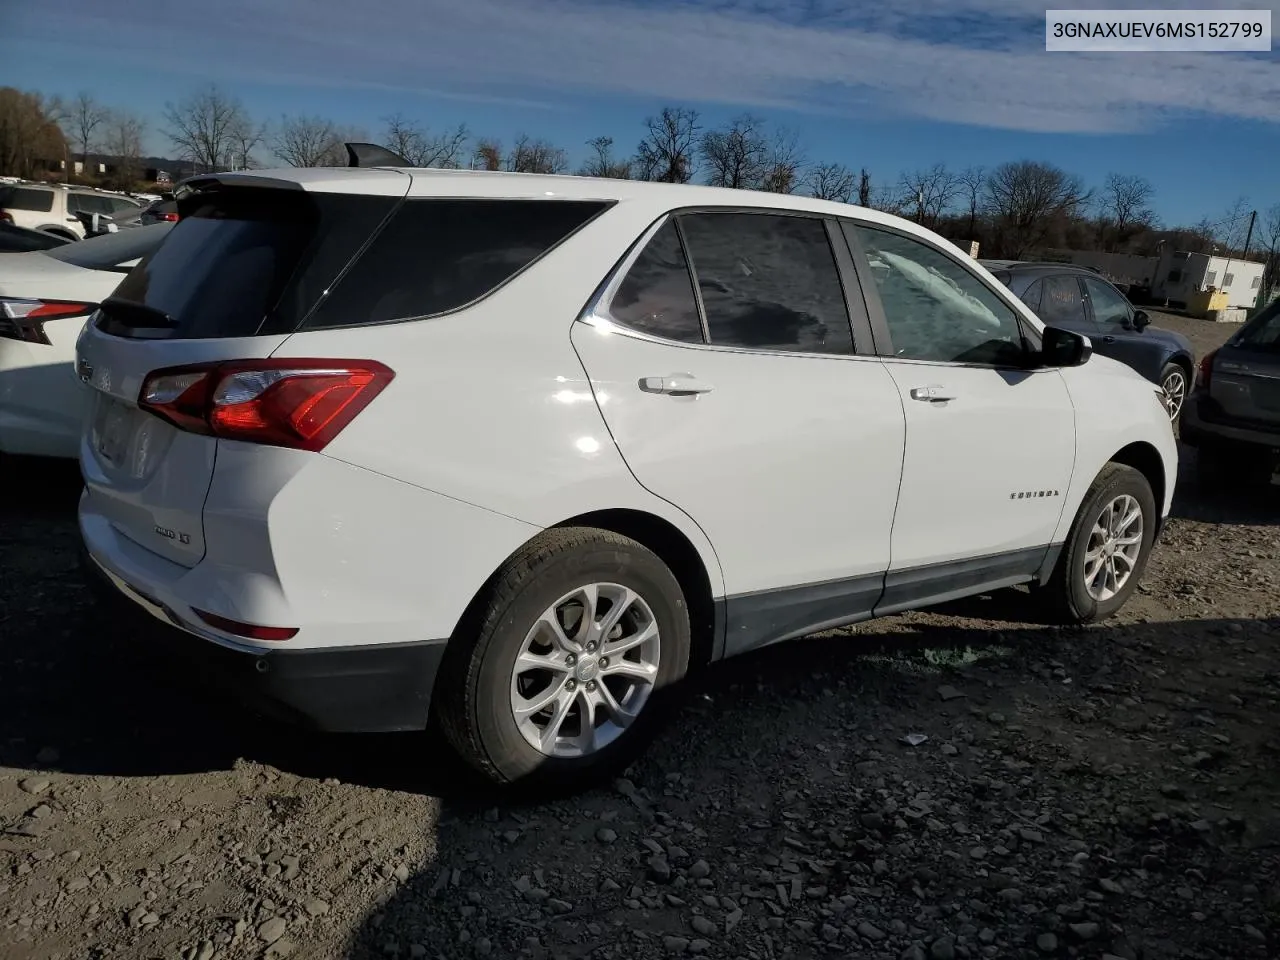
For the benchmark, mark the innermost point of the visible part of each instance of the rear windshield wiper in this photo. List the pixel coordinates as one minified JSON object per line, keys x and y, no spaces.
{"x":137,"y":316}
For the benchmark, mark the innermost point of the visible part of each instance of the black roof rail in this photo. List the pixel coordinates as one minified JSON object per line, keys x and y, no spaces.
{"x":372,"y":155}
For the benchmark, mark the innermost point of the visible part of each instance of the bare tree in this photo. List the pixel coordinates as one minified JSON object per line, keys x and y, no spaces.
{"x":929,"y":192}
{"x":307,"y":142}
{"x":1026,"y":198}
{"x":971,"y":182}
{"x":601,"y":162}
{"x":784,"y":163}
{"x":831,"y":181}
{"x":887,"y":198}
{"x":487,"y":155}
{"x":122,"y":143}
{"x":666,"y":153}
{"x":245,"y":137}
{"x":864,"y":188}
{"x":736,"y":156}
{"x":535,"y":156}
{"x":1124,"y":206}
{"x":29,"y":132}
{"x":421,"y":147}
{"x":1269,"y":239}
{"x":207,"y":127}
{"x":82,"y":122}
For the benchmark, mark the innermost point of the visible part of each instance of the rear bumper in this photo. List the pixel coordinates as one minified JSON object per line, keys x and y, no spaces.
{"x":355,"y":689}
{"x":1196,"y":430}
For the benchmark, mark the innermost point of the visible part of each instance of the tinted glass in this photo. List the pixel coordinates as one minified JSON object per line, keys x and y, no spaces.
{"x":1031,"y":296}
{"x":438,"y":255}
{"x":24,"y":198}
{"x":657,"y":295}
{"x":1263,"y":330}
{"x":1062,"y":302}
{"x":936,"y":308}
{"x":768,"y":282}
{"x":121,"y":205}
{"x":1109,"y":308}
{"x":112,"y":249}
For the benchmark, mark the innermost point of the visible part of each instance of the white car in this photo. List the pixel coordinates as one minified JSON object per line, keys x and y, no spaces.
{"x":45,"y":297}
{"x":519,"y":452}
{"x":53,"y":207}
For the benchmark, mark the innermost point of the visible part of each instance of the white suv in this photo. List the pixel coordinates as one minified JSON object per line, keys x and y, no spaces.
{"x":519,"y":452}
{"x":52,"y":207}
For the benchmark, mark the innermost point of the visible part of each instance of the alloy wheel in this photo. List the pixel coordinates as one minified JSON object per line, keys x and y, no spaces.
{"x":1114,"y":545}
{"x":1175,"y":392}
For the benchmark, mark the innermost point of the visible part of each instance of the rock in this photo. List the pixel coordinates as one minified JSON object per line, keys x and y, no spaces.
{"x":606,"y":835}
{"x":703,"y":926}
{"x":978,"y":853}
{"x":558,"y":906}
{"x":42,"y":811}
{"x":33,"y":785}
{"x":949,"y":750}
{"x":47,"y":755}
{"x":659,"y":869}
{"x":401,"y":872}
{"x":280,"y":949}
{"x":484,"y":947}
{"x":1030,"y":836}
{"x":944,"y":948}
{"x":870,"y":931}
{"x":1047,"y":943}
{"x":1107,"y":885}
{"x":946,"y":693}
{"x":1253,"y":933}
{"x":731,"y":920}
{"x":829,"y":933}
{"x":699,"y":946}
{"x":700,"y":870}
{"x":316,"y":907}
{"x":1085,"y":931}
{"x":272,"y":930}
{"x":204,"y":951}
{"x":675,"y":944}
{"x":417,"y":950}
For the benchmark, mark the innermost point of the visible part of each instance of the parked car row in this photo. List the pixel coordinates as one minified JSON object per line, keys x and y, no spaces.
{"x":60,"y":210}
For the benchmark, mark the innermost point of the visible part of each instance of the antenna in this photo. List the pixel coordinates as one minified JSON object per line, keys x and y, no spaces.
{"x":372,"y":155}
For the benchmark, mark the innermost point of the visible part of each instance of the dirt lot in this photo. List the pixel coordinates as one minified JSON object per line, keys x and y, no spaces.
{"x":1110,"y":791}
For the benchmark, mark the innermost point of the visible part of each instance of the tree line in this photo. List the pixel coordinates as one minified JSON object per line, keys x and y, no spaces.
{"x":1017,"y":209}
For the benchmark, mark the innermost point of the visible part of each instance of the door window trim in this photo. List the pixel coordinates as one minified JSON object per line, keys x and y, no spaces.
{"x":875,"y":308}
{"x":597,"y":312}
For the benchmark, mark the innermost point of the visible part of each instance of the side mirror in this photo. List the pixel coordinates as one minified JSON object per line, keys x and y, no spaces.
{"x":1064,"y":348}
{"x":1141,"y":320}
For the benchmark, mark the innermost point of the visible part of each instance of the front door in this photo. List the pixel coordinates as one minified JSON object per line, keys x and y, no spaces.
{"x":725,"y":365}
{"x":990,"y":443}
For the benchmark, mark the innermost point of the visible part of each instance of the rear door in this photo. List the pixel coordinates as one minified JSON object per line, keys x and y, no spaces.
{"x":742,"y":395}
{"x":231,"y":281}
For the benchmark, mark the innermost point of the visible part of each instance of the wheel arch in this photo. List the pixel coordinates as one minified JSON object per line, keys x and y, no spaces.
{"x":1146,"y":459}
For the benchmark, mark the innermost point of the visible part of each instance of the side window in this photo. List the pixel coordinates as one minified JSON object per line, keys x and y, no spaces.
{"x":656,"y":297}
{"x":1031,"y":296}
{"x":121,"y":205}
{"x":1062,"y":302}
{"x":937,"y":309}
{"x":1109,"y":308}
{"x":74,"y":204}
{"x":768,"y":282}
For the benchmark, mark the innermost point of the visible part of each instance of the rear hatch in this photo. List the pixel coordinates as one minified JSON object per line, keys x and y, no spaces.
{"x":233,"y":279}
{"x":1246,"y":372}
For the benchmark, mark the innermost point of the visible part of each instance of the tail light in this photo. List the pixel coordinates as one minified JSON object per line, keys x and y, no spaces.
{"x":251,"y":630}
{"x":1204,"y":373}
{"x":171,"y":217}
{"x":24,"y":319}
{"x":300,"y":404}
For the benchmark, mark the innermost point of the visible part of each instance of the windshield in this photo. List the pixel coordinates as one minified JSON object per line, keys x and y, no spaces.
{"x":103,"y":253}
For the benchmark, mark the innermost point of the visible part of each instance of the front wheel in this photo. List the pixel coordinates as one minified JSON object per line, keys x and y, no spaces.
{"x":1174,"y":383}
{"x":1107,"y":550}
{"x":565,"y":670}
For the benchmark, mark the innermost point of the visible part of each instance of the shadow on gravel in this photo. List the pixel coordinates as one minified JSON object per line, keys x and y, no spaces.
{"x":1252,"y":503}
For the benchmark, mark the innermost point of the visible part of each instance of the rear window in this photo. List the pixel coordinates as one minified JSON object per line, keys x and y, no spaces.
{"x":435,"y":256}
{"x":1263,"y":330}
{"x":26,"y":198}
{"x":244,"y":261}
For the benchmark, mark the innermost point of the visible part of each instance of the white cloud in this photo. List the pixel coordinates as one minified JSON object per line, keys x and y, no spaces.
{"x":977,"y":62}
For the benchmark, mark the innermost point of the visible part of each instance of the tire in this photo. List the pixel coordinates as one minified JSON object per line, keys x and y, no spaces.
{"x":1067,"y":592}
{"x":1173,"y":377}
{"x":475,"y":698}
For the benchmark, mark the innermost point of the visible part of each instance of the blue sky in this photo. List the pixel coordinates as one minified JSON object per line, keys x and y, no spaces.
{"x":896,"y":86}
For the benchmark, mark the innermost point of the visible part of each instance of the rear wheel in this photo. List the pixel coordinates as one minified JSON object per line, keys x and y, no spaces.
{"x":1107,"y":550}
{"x":1174,"y":381}
{"x":569,"y":662}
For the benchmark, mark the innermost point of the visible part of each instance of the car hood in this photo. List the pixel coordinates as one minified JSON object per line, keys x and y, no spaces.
{"x":34,"y":275}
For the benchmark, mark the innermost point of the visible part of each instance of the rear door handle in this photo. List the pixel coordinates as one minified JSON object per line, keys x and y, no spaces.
{"x":932,"y":394}
{"x":675,"y":385}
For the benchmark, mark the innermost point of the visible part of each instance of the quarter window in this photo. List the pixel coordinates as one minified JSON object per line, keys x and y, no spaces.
{"x":26,"y":198}
{"x":1109,"y":308}
{"x":1031,"y":296}
{"x":656,"y":297}
{"x":768,"y":282}
{"x":935,"y":308}
{"x":1062,"y":302}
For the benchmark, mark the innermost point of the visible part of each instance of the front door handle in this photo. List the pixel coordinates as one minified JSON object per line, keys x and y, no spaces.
{"x":932,"y":394}
{"x":675,"y":385}
{"x":1108,"y":339}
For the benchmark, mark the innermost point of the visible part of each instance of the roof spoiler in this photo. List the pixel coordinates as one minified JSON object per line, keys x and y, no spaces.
{"x":372,"y":155}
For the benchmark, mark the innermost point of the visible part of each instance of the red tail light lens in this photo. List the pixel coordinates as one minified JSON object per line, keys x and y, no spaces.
{"x":250,"y":630}
{"x":24,"y":319}
{"x":1204,"y":373}
{"x":301,"y":404}
{"x":172,"y":217}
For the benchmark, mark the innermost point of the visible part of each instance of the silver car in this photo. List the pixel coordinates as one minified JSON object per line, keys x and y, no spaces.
{"x":1233,"y":415}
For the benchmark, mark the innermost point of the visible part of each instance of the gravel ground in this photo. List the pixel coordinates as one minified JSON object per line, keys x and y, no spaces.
{"x":1077,"y":793}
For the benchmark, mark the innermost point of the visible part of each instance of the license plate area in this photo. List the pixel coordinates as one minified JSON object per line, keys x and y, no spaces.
{"x":111,"y":430}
